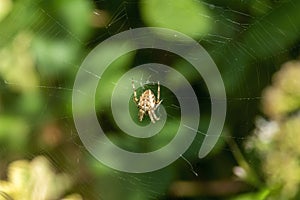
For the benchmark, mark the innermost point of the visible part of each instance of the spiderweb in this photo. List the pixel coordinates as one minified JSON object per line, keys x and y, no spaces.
{"x":247,"y":52}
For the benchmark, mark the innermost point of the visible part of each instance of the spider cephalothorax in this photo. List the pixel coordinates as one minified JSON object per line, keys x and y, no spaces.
{"x":147,"y":103}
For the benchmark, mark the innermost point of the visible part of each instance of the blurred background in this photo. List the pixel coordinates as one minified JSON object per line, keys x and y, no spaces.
{"x":255,"y":45}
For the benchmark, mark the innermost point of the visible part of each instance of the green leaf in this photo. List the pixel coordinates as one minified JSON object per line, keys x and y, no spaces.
{"x":13,"y":131}
{"x":76,"y":16}
{"x":186,"y":16}
{"x":261,"y":195}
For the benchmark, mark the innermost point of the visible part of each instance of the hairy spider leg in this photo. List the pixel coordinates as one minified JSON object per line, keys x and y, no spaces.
{"x":158,"y":93}
{"x":151,"y":116}
{"x":135,"y":99}
{"x":158,"y":103}
{"x":141,"y":114}
{"x":154,"y":115}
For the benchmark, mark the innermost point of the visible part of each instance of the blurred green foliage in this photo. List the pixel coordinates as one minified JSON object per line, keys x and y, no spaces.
{"x":174,"y":15}
{"x":43,"y":43}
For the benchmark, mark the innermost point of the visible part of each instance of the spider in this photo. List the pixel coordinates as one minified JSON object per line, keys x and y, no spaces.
{"x":147,"y":103}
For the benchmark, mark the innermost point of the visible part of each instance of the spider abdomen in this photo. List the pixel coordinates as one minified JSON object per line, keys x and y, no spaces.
{"x":147,"y":101}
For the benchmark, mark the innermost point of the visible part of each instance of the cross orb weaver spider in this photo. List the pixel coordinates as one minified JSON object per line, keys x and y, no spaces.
{"x":147,"y":103}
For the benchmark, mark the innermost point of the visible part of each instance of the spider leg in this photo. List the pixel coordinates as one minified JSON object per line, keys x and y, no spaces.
{"x":157,"y":104}
{"x":154,"y":115}
{"x":141,"y":114}
{"x":151,"y":116}
{"x":135,"y":99}
{"x":158,"y":92}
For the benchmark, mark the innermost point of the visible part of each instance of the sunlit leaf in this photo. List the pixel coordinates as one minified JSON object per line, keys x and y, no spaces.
{"x":186,"y":16}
